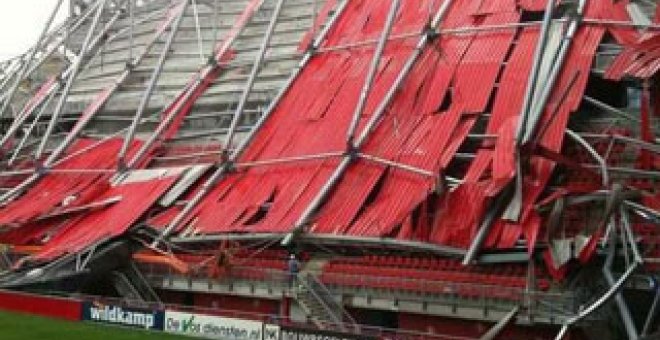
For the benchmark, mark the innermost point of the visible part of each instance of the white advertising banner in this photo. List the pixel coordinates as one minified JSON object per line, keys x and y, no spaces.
{"x":271,"y":332}
{"x":212,"y":327}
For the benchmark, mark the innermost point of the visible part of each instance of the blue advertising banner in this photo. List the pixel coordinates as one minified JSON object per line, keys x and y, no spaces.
{"x":123,"y":316}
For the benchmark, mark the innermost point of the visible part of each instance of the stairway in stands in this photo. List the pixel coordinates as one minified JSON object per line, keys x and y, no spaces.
{"x":131,"y":284}
{"x":320,"y":305}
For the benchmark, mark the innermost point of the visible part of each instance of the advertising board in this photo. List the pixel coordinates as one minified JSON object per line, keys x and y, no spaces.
{"x":294,"y":333}
{"x":213,"y":327}
{"x":116,"y":315}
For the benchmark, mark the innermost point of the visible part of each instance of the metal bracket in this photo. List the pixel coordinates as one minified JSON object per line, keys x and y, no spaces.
{"x":431,"y":33}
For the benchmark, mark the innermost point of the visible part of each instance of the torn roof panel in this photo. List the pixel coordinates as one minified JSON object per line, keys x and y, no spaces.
{"x":457,"y":112}
{"x":306,"y":125}
{"x":75,"y":181}
{"x":80,"y":233}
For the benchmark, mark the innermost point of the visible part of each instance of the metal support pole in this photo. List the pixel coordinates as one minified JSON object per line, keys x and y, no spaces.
{"x":515,"y":207}
{"x":598,"y":303}
{"x":625,"y":219}
{"x":601,"y":161}
{"x":200,"y":39}
{"x":256,"y":67}
{"x":624,"y":311}
{"x":371,"y":73}
{"x":642,"y":208}
{"x":90,"y":10}
{"x":31,"y":56}
{"x":535,"y":108}
{"x":20,"y":145}
{"x":597,"y":103}
{"x":484,"y":229}
{"x":348,"y":46}
{"x":131,"y":37}
{"x":652,"y":312}
{"x":287,"y":160}
{"x":155,"y":75}
{"x":222,"y":170}
{"x":530,"y":93}
{"x":67,"y":34}
{"x":500,"y":325}
{"x":370,"y":126}
{"x":402,"y":166}
{"x":96,"y":106}
{"x":215,"y":24}
{"x":74,"y":72}
{"x":539,"y":106}
{"x":20,"y":120}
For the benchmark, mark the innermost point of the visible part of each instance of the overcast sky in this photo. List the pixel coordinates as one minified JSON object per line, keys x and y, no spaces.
{"x":21,"y":22}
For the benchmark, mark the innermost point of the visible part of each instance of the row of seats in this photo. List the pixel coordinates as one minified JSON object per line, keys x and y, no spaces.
{"x":429,"y":275}
{"x":427,"y":263}
{"x":423,"y":287}
{"x":261,"y":269}
{"x":435,"y":276}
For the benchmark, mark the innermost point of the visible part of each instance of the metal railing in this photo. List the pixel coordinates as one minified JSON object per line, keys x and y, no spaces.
{"x":309,"y":288}
{"x":328,"y":298}
{"x":552,"y":306}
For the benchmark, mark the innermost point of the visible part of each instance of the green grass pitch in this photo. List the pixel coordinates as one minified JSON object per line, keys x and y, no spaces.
{"x":29,"y":327}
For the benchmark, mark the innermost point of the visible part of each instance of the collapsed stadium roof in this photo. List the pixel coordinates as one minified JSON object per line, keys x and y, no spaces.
{"x":495,"y":132}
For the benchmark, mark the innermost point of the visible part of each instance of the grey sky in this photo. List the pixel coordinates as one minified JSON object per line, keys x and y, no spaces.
{"x":21,"y":22}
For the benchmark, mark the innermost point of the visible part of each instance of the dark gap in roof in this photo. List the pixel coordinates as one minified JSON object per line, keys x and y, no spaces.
{"x":590,"y":118}
{"x":609,"y":92}
{"x":491,"y":100}
{"x":240,"y":216}
{"x":447,"y":101}
{"x":263,"y":210}
{"x":457,"y":168}
{"x":531,"y":16}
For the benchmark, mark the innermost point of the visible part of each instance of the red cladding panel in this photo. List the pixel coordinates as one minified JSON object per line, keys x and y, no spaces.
{"x":40,"y":305}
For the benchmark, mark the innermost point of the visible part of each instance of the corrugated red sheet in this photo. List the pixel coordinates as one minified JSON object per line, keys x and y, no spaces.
{"x":79,"y":233}
{"x":429,"y":119}
{"x":458,"y":79}
{"x":305,"y":124}
{"x":617,"y":11}
{"x":641,"y":60}
{"x":457,"y":229}
{"x":416,"y":131}
{"x":555,"y":120}
{"x":61,"y":191}
{"x":573,"y":79}
{"x":48,"y":195}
